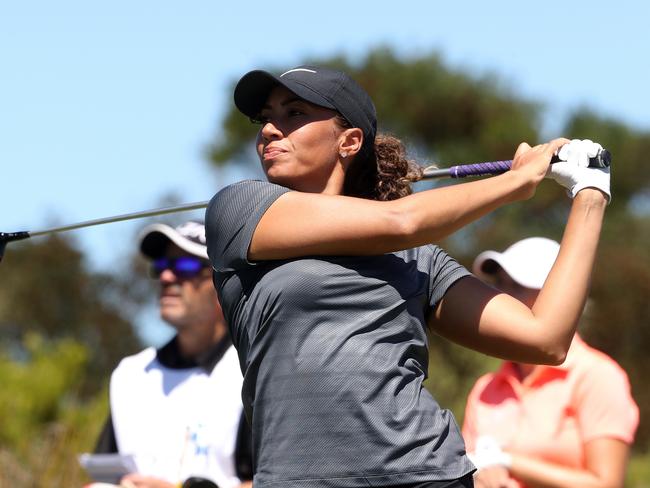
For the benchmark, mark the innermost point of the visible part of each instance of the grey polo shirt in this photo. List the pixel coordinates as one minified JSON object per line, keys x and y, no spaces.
{"x":334,"y":352}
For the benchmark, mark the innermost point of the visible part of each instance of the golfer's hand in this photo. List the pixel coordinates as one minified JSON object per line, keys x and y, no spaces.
{"x":532,"y":163}
{"x":135,"y":480}
{"x":494,"y":477}
{"x":573,"y":172}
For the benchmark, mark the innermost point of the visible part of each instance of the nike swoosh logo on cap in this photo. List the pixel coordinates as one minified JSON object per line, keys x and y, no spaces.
{"x":297,"y":69}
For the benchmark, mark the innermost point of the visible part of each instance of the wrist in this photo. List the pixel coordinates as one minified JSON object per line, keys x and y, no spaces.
{"x":488,"y":453}
{"x":520,"y":186}
{"x":506,"y":459}
{"x":592,"y":197}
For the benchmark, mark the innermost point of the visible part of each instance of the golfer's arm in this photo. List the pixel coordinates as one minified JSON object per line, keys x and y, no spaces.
{"x":302,"y":224}
{"x":480,"y":317}
{"x":606,"y":464}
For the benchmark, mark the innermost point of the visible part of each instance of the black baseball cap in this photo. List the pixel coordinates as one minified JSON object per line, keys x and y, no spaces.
{"x":324,"y":87}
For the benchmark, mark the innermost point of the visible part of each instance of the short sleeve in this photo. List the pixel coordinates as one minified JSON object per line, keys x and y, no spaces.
{"x":231,"y":219}
{"x":444,"y":271}
{"x":604,"y":404}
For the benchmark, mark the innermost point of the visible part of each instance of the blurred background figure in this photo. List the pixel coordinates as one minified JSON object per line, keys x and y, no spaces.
{"x":561,"y":426}
{"x":177,"y":409}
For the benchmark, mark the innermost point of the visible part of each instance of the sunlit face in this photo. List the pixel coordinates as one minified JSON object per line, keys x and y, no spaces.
{"x":191,"y":306}
{"x":298,"y":143}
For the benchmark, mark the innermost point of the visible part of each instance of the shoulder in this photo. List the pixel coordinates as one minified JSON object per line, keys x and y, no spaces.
{"x":423,"y":255}
{"x":595,"y":374}
{"x":227,"y":371}
{"x":229,"y":362}
{"x":443,"y":269}
{"x":230,"y":358}
{"x":432,"y":253}
{"x":231,"y":219}
{"x":482,"y":384}
{"x":229,"y":209}
{"x":593,"y":363}
{"x":240,"y":186}
{"x":602,"y":395}
{"x":135,"y":361}
{"x":241,"y":192}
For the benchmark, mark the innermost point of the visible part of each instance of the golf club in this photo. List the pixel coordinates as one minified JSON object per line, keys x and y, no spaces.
{"x":6,"y":237}
{"x":601,"y":160}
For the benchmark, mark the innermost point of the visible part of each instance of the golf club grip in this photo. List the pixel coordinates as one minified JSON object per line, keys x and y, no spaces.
{"x":601,"y":160}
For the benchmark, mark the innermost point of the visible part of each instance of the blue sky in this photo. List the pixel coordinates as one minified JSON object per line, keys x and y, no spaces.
{"x":105,"y":107}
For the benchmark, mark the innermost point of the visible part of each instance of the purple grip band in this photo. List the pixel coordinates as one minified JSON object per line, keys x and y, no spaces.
{"x":478,"y":169}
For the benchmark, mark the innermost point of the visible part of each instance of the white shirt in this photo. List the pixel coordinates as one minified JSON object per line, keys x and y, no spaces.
{"x":178,"y":423}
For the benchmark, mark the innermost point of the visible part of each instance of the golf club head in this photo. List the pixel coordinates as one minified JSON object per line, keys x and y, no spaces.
{"x":6,"y":237}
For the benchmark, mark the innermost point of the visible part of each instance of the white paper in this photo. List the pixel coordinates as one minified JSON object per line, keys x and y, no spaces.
{"x":108,"y":468}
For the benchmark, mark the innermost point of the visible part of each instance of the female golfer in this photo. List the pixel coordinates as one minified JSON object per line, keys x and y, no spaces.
{"x":328,"y":278}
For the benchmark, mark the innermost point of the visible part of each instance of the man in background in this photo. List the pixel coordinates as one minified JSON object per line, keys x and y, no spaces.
{"x":177,"y":409}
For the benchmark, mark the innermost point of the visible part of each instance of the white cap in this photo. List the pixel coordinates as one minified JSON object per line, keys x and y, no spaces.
{"x":528,"y":261}
{"x":190,"y":237}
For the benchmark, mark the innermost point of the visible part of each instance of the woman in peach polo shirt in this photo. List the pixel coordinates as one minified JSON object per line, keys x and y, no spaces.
{"x":553,"y":426}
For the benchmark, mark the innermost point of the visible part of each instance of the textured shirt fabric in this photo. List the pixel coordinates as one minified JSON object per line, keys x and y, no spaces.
{"x":556,"y":409}
{"x":334,"y":352}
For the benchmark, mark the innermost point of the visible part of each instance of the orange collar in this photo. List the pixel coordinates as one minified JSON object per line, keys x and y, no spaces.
{"x":509,"y":372}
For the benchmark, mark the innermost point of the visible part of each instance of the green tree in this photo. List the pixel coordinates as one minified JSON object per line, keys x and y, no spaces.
{"x":445,"y":115}
{"x":63,"y":327}
{"x":50,"y":290}
{"x":45,"y":420}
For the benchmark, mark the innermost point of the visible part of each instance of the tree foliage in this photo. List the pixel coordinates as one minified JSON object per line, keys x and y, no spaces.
{"x":413,"y":100}
{"x":48,"y":289}
{"x":45,"y":420}
{"x":448,"y":115}
{"x":63,"y":327}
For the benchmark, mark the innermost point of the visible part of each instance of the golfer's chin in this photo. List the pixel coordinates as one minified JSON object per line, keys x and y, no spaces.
{"x":171,"y":311}
{"x":296,"y":175}
{"x":275,"y":171}
{"x":283,"y":175}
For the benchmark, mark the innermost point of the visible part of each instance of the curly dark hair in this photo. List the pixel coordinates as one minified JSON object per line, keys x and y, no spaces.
{"x":380,"y":170}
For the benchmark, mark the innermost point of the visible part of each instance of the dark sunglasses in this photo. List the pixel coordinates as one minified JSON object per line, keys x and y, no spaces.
{"x":182,"y":267}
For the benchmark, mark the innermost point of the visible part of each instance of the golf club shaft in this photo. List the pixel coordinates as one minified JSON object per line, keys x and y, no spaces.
{"x":119,"y":218}
{"x":601,"y":160}
{"x":6,"y":237}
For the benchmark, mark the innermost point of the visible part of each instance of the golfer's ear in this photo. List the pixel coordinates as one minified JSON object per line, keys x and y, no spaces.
{"x":350,"y":141}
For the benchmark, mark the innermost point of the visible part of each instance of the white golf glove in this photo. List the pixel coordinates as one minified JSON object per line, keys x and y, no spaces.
{"x":574,"y":173}
{"x":489,"y":453}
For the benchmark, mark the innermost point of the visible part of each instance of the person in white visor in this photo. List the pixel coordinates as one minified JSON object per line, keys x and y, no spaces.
{"x":540,"y":425}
